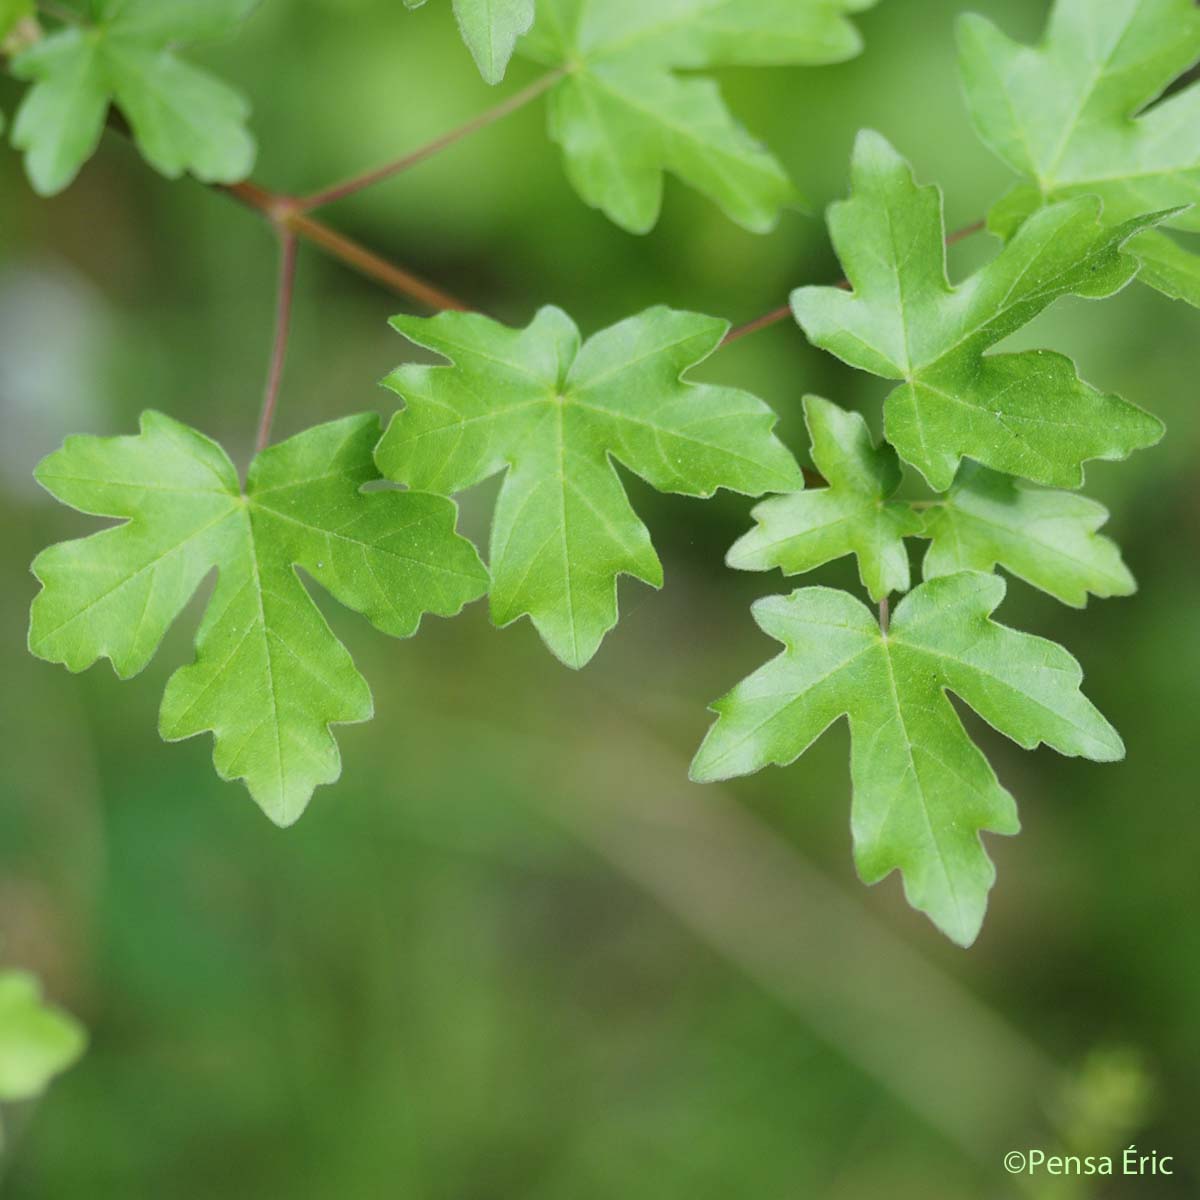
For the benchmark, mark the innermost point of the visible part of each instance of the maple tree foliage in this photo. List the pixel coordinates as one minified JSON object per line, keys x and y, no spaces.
{"x":996,"y":439}
{"x":854,"y":514}
{"x":1047,"y":538}
{"x":122,"y":52}
{"x":1075,"y":115}
{"x":624,"y":116}
{"x":491,"y":29}
{"x":922,"y":789}
{"x":1026,"y":413}
{"x":269,"y":676}
{"x":553,"y":412}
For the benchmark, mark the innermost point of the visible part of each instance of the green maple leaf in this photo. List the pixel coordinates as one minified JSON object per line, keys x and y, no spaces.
{"x":36,"y":1042}
{"x":182,"y":118}
{"x":1047,"y":538}
{"x":1026,"y":414}
{"x":1168,"y":267}
{"x":554,"y":415}
{"x":491,"y":29}
{"x":923,"y":791}
{"x":1075,"y":115}
{"x":853,"y":515}
{"x":624,"y":117}
{"x":269,"y":677}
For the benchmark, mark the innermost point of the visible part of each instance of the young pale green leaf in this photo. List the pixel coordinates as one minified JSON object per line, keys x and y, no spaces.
{"x":182,"y":118}
{"x":923,"y":791}
{"x":624,"y":117}
{"x":1071,"y":114}
{"x":491,"y":29}
{"x":1046,"y":538}
{"x":853,"y":515}
{"x":1026,"y":414}
{"x":269,"y":678}
{"x":556,"y":416}
{"x":36,"y":1042}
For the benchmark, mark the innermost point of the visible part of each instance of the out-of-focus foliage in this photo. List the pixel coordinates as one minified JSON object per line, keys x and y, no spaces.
{"x":431,"y":986}
{"x":37,"y":1042}
{"x":1076,"y":116}
{"x":624,"y":116}
{"x":490,"y":28}
{"x":122,"y":52}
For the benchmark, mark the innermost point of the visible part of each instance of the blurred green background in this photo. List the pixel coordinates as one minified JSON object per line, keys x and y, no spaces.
{"x":513,"y":954}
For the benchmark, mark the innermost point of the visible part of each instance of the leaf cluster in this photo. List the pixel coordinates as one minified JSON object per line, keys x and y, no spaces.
{"x":997,"y":440}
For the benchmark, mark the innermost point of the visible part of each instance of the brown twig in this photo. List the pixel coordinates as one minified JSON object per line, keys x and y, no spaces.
{"x":358,"y":182}
{"x":775,"y":316}
{"x":283,"y":212}
{"x":283,"y":322}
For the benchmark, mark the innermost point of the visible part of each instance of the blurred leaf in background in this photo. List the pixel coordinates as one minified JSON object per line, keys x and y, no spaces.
{"x":37,"y":1042}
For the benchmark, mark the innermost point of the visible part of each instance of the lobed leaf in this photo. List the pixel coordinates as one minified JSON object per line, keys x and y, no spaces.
{"x":555,"y":414}
{"x":853,"y":515}
{"x":1077,"y":113}
{"x":1027,"y":414}
{"x":923,"y":791}
{"x":182,"y":118}
{"x":624,"y":117}
{"x":269,"y":678}
{"x":1046,"y":538}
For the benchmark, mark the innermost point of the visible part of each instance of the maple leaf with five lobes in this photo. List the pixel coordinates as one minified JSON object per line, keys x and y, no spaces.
{"x":269,"y":677}
{"x":923,"y":791}
{"x":490,"y":29}
{"x":182,"y":118}
{"x":624,"y":117}
{"x":1076,"y":115}
{"x":1027,"y":413}
{"x":853,"y":515}
{"x":1046,"y":538}
{"x":555,"y":414}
